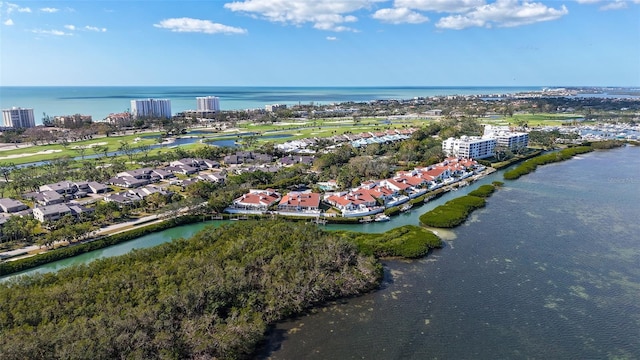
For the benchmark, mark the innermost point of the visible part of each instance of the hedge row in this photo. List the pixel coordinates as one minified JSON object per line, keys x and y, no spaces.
{"x":10,"y":267}
{"x":531,"y":164}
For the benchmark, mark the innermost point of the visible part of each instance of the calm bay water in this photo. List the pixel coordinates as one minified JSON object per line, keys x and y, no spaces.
{"x":550,"y":269}
{"x":100,"y":101}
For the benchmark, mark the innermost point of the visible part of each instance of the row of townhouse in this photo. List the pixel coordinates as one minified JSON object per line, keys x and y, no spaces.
{"x":369,"y":198}
{"x":53,"y":201}
{"x":247,"y":157}
{"x":260,"y":201}
{"x":141,"y":177}
{"x":134,"y":196}
{"x":356,"y":140}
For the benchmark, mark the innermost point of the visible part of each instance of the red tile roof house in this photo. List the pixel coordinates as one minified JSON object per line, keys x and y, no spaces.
{"x":255,"y":202}
{"x":356,"y":203}
{"x":300,"y":203}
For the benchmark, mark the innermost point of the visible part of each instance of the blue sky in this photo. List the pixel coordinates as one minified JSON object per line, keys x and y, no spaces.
{"x":321,"y":43}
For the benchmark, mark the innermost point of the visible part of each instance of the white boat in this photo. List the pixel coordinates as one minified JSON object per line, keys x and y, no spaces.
{"x":382,"y":217}
{"x":406,"y":207}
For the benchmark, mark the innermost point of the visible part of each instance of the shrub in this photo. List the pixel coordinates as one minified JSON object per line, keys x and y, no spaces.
{"x":483,"y":191}
{"x":407,"y":241}
{"x":531,"y":164}
{"x":452,"y":213}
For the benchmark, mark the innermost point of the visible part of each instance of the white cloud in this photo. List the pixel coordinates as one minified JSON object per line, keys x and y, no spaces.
{"x":197,"y":25}
{"x":70,"y":27}
{"x":332,"y":38}
{"x":49,"y":10}
{"x":93,"y":28}
{"x":614,"y":5}
{"x":450,"y":6}
{"x":323,"y":14}
{"x":10,"y":7}
{"x":610,"y":4}
{"x":503,"y":13}
{"x":9,"y":22}
{"x":51,"y":32}
{"x":400,"y":16}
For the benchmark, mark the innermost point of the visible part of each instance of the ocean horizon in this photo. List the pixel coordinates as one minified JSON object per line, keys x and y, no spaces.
{"x":100,"y":101}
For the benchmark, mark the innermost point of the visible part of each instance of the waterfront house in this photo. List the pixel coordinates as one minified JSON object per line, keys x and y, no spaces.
{"x":255,"y":200}
{"x":300,"y":202}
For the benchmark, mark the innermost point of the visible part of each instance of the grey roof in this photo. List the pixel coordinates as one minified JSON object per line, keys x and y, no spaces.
{"x":53,"y":209}
{"x":8,"y":204}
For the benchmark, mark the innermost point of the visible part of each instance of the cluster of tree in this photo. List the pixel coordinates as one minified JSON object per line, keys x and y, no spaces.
{"x":208,"y":297}
{"x":531,"y":164}
{"x":407,"y":241}
{"x":455,"y":212}
{"x":548,"y":138}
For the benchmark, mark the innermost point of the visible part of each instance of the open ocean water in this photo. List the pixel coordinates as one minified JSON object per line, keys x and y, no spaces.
{"x":100,"y":101}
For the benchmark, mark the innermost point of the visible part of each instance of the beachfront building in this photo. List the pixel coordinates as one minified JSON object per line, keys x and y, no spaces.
{"x":208,"y":103}
{"x":470,"y":147}
{"x":17,"y":117}
{"x":274,"y":107}
{"x":151,"y":108}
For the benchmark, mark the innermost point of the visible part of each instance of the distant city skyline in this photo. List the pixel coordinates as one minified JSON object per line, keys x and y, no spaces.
{"x":320,"y":43}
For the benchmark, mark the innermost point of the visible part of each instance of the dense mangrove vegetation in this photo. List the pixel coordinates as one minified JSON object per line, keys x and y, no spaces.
{"x":531,"y":164}
{"x":456,"y":211}
{"x":407,"y":241}
{"x":211,"y":296}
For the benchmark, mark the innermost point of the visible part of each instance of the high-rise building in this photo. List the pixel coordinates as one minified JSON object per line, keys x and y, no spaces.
{"x":208,"y":103}
{"x":18,"y":118}
{"x":151,"y":108}
{"x":470,"y":147}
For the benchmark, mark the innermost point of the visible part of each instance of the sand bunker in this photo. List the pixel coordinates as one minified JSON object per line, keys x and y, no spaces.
{"x":88,"y":146}
{"x":16,"y":156}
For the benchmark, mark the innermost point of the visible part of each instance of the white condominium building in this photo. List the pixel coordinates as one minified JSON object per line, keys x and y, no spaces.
{"x":469,"y":147}
{"x":512,"y":140}
{"x":151,"y":108}
{"x":18,"y":118}
{"x":507,"y":138}
{"x":208,"y":103}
